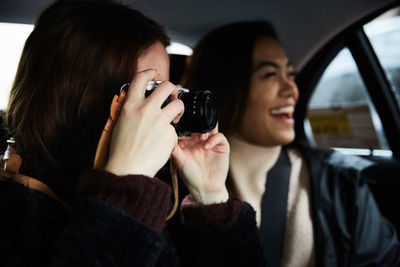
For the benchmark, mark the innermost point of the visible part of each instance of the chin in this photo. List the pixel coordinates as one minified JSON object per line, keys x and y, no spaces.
{"x":287,"y":139}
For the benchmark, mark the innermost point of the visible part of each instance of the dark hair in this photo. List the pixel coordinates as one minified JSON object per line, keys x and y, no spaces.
{"x":222,"y":62}
{"x":78,"y":55}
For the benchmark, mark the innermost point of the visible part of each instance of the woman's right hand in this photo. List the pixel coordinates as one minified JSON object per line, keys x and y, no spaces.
{"x":143,"y":137}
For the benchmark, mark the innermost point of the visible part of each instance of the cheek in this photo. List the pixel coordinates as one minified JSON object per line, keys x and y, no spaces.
{"x":164,"y":64}
{"x":164,"y":69}
{"x":163,"y":74}
{"x":256,"y":115}
{"x":261,"y":99}
{"x":264,"y":89}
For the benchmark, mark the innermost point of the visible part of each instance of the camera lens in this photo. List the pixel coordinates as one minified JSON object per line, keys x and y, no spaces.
{"x":200,"y":114}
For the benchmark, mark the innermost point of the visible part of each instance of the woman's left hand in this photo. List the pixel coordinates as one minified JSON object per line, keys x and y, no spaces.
{"x":203,"y":162}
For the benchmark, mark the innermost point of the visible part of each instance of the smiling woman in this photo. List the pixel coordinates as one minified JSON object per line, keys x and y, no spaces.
{"x":331,"y":219}
{"x":313,"y":207}
{"x":268,"y":118}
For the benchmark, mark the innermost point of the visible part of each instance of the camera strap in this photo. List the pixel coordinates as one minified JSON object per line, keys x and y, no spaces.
{"x":103,"y":146}
{"x":273,"y":210}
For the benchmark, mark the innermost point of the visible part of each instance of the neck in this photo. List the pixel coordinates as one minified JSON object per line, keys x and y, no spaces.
{"x":249,"y":164}
{"x":253,"y":155}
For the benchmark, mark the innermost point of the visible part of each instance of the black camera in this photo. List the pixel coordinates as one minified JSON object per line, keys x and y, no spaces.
{"x":200,"y":114}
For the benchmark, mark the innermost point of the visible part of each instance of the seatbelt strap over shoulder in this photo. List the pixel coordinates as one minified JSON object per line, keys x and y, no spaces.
{"x":273,"y":210}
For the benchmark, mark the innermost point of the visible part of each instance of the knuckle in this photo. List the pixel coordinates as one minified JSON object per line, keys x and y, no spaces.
{"x":140,"y":75}
{"x":127,"y":108}
{"x":171,"y":86}
{"x":180,"y":104}
{"x":171,"y":133}
{"x":144,"y":74}
{"x":168,"y":83}
{"x":144,"y":110}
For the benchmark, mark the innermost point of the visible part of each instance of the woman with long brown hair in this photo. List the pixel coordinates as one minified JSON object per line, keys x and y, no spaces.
{"x":313,"y":206}
{"x":59,"y":205}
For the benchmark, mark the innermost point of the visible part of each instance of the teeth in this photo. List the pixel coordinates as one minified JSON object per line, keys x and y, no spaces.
{"x":282,"y":110}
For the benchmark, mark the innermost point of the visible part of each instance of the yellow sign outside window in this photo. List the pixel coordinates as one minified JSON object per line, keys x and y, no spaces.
{"x":332,"y":124}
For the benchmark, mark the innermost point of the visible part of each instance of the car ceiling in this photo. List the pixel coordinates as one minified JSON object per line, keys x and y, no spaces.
{"x":303,"y":26}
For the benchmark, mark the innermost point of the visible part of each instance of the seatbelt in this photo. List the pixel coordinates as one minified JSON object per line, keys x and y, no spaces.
{"x":273,"y":210}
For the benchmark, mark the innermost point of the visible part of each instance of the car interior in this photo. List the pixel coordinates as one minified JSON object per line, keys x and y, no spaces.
{"x":346,"y":54}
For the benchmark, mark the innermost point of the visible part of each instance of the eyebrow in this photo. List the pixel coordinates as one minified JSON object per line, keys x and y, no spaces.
{"x":263,"y":64}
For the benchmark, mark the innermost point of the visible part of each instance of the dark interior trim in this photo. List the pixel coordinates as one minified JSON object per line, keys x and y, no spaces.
{"x":374,"y":77}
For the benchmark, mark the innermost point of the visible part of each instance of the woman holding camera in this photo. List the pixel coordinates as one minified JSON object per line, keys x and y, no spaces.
{"x":56,"y":209}
{"x":313,"y":206}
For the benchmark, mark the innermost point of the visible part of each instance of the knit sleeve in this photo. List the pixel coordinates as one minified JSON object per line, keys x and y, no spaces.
{"x":145,"y":199}
{"x":222,"y":215}
{"x":223,"y":234}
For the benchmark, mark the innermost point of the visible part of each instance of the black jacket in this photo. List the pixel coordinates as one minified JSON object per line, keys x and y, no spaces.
{"x":349,"y":228}
{"x":36,"y":230}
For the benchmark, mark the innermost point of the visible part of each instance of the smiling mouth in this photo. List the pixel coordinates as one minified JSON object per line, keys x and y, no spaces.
{"x":282,"y":112}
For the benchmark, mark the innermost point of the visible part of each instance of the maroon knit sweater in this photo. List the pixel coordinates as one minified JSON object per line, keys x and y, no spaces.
{"x":148,"y":200}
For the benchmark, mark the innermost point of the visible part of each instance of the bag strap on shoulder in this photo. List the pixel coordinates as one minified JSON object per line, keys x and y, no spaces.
{"x":12,"y":163}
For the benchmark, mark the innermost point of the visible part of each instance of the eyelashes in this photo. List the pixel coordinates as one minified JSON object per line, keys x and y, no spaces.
{"x":268,"y":74}
{"x":291,"y":74}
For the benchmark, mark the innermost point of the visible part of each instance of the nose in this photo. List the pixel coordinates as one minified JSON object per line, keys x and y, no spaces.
{"x":289,"y":88}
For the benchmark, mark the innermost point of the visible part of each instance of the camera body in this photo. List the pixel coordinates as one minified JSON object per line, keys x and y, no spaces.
{"x":200,"y":114}
{"x":154,"y":84}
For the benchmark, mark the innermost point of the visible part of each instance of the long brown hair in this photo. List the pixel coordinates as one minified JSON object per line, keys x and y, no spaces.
{"x":78,"y":54}
{"x":222,"y":62}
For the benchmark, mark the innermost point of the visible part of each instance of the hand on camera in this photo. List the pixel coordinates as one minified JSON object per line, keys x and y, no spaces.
{"x":143,"y":137}
{"x":203,"y":162}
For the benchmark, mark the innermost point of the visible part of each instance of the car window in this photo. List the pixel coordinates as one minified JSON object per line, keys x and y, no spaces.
{"x":340,"y":113}
{"x":384,"y":35}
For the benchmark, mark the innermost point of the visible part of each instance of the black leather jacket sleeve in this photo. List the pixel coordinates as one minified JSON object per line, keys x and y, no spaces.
{"x":349,"y":227}
{"x":375,"y":241}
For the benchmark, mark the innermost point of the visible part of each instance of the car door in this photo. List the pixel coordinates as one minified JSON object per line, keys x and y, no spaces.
{"x":350,"y":100}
